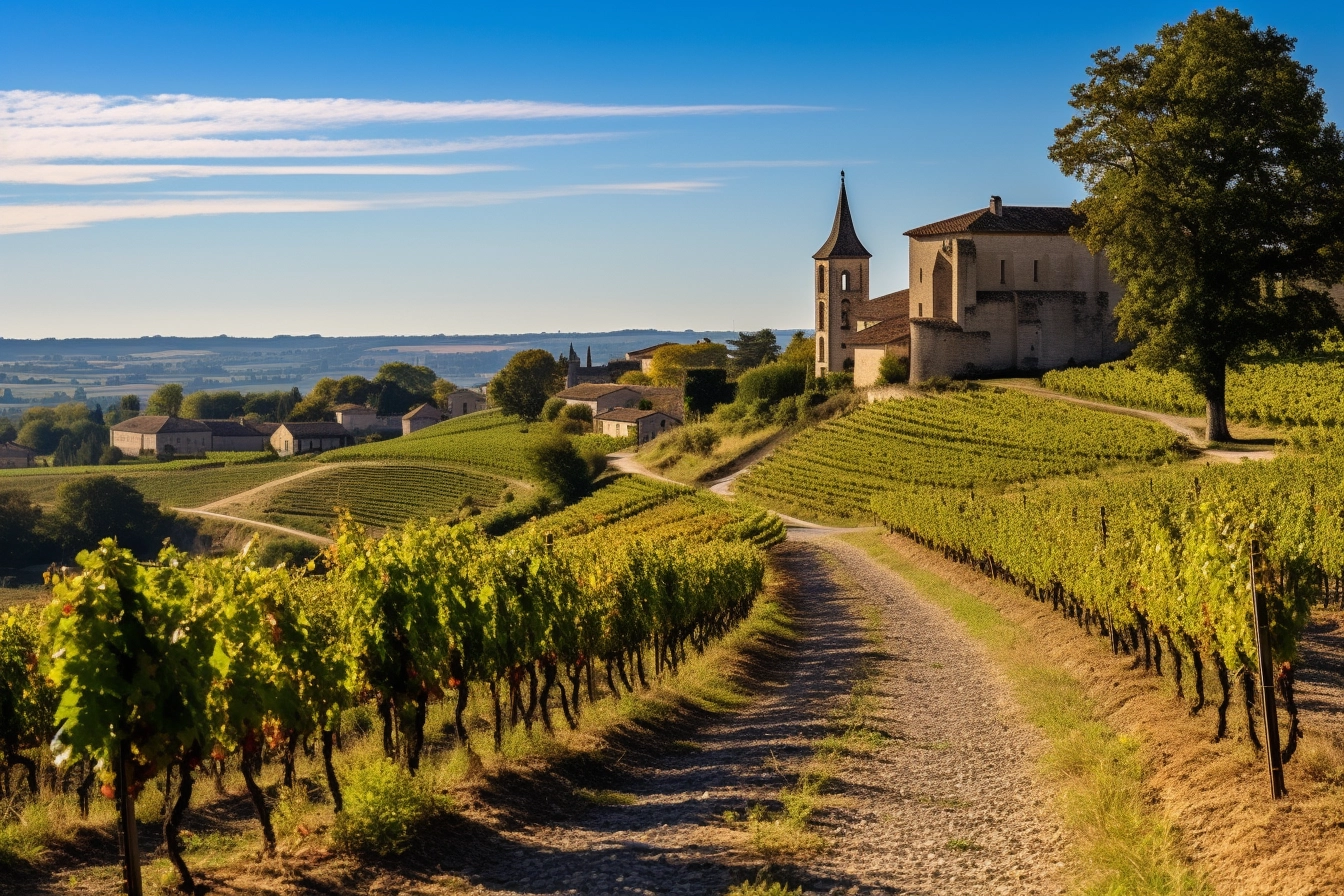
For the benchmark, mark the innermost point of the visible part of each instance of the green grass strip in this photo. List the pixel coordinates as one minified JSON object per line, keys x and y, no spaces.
{"x":1124,"y":847}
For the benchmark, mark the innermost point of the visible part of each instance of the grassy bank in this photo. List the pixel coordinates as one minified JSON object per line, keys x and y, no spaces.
{"x":1123,"y":846}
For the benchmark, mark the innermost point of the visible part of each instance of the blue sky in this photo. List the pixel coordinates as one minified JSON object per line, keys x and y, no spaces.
{"x":360,"y":168}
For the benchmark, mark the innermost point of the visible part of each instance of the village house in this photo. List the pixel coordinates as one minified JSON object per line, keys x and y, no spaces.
{"x":463,"y":401}
{"x":601,"y":397}
{"x":162,"y":436}
{"x":645,"y":355}
{"x":12,"y":455}
{"x":420,"y":417}
{"x":234,"y":435}
{"x":290,"y":439}
{"x":1000,"y":289}
{"x":356,"y":417}
{"x":643,"y":425}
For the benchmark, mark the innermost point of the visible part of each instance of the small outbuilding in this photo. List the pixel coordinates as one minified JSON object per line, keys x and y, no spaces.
{"x":356,"y":417}
{"x":13,"y":455}
{"x":417,"y":418}
{"x":463,"y":401}
{"x":643,"y":425}
{"x":162,"y":436}
{"x":309,"y":438}
{"x":872,"y":344}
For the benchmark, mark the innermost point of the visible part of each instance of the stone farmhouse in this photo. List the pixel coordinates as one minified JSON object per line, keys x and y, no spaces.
{"x":235,"y":435}
{"x":643,"y":425}
{"x":162,"y":436}
{"x":290,"y":439}
{"x":463,"y":401}
{"x":12,"y":455}
{"x":420,"y":417}
{"x":602,"y":397}
{"x":359,"y":418}
{"x":999,"y":289}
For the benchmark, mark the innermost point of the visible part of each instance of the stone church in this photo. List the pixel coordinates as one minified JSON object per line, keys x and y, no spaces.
{"x":1000,"y":289}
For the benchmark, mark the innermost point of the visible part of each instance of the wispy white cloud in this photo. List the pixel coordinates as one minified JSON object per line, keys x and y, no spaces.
{"x":38,"y":217}
{"x":74,"y":174}
{"x":750,"y":163}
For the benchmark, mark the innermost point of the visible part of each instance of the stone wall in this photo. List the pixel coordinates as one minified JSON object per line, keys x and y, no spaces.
{"x":943,"y":348}
{"x":828,"y":325}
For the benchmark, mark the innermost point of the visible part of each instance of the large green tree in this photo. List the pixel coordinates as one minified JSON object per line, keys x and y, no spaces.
{"x":166,"y":400}
{"x":522,"y":387}
{"x":1216,"y":188}
{"x":750,"y":350}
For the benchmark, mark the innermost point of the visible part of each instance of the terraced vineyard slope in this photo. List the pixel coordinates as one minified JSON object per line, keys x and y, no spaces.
{"x":830,"y":472}
{"x":1307,"y":393}
{"x":381,"y":495}
{"x":486,"y":441}
{"x":173,"y":486}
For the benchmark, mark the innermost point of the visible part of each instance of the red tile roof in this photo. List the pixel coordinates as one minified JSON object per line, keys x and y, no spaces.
{"x":894,"y":330}
{"x":1015,"y":219}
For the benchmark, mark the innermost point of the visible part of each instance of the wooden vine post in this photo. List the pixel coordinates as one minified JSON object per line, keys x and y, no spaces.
{"x":130,"y":841}
{"x":1270,"y":713}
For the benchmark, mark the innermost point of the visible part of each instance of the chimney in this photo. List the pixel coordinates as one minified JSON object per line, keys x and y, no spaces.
{"x":996,"y":205}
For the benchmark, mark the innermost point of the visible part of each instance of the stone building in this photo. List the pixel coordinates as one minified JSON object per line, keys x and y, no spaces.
{"x":463,"y":401}
{"x":162,"y":436}
{"x":420,"y":417}
{"x":234,"y":435}
{"x":1003,"y":288}
{"x":12,"y":455}
{"x":609,"y":372}
{"x":643,"y":425}
{"x":309,"y":438}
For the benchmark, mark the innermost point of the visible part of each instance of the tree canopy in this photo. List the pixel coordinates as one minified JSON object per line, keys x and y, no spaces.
{"x":750,"y":350}
{"x":522,"y":387}
{"x":670,"y":363}
{"x":1216,"y":187}
{"x":166,"y":400}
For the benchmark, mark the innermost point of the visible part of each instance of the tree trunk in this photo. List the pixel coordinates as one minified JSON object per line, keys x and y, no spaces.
{"x":259,"y":803}
{"x":172,"y":825}
{"x":332,"y":784}
{"x":1215,"y":409}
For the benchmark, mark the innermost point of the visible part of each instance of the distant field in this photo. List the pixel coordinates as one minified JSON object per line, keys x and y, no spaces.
{"x":486,"y":441}
{"x":376,"y":495}
{"x":959,"y":440}
{"x":167,"y":484}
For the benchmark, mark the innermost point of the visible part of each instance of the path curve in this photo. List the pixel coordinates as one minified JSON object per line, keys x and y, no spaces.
{"x":1170,"y":421}
{"x":258,"y":489}
{"x":297,"y":533}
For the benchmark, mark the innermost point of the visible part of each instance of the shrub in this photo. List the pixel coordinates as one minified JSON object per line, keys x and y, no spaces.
{"x":383,"y":806}
{"x":697,"y":438}
{"x":576,"y":412}
{"x":288,"y":550}
{"x":705,"y":388}
{"x":893,"y":369}
{"x":559,"y":466}
{"x":772,"y":382}
{"x":111,"y":456}
{"x":552,"y":408}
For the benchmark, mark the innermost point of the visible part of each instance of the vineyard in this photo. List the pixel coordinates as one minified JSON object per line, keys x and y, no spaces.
{"x":830,"y":472}
{"x":376,"y":495}
{"x":174,"y":486}
{"x":238,"y":665}
{"x":1308,"y":393}
{"x":1159,"y":559}
{"x":486,"y":441}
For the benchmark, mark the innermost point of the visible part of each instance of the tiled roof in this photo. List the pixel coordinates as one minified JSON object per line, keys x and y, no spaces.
{"x":895,"y":304}
{"x":14,"y":448}
{"x":265,"y":428}
{"x":316,"y":430}
{"x":843,"y":241}
{"x":149,"y":425}
{"x":351,"y":406}
{"x":590,"y":391}
{"x":427,"y":411}
{"x":629,"y":415}
{"x":641,"y":353}
{"x":230,"y":428}
{"x":893,"y":330}
{"x":1015,"y":219}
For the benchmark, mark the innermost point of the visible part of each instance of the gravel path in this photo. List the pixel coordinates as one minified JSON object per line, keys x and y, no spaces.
{"x":948,"y":805}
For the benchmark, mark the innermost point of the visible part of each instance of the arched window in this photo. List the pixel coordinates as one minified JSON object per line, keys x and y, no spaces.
{"x":821,"y":279}
{"x":821,"y":349}
{"x":844,"y":280}
{"x":821,"y":315}
{"x":844,"y":314}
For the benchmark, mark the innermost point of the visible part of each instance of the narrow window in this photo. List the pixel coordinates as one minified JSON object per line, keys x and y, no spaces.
{"x":844,"y":315}
{"x":1003,"y":271}
{"x":821,"y":349}
{"x":821,"y":315}
{"x":921,"y":275}
{"x":844,"y":280}
{"x":1035,"y":272}
{"x":921,"y":310}
{"x":821,"y":279}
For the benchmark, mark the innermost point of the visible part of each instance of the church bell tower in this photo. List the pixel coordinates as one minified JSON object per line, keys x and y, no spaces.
{"x":839,"y":282}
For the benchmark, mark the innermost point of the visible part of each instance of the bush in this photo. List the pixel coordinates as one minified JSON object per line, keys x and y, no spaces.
{"x":552,"y":408}
{"x":576,"y":412}
{"x":111,"y":456}
{"x":91,"y":508}
{"x":288,"y":550}
{"x":559,"y":466}
{"x":893,"y":369}
{"x":383,"y":806}
{"x":772,"y":382}
{"x":697,"y":438}
{"x":705,"y":388}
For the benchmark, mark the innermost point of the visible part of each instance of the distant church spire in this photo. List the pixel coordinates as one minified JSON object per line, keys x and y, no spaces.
{"x":590,"y":356}
{"x":843,"y":242}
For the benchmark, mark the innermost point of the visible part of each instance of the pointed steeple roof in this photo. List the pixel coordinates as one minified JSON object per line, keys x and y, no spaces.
{"x":843,"y":242}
